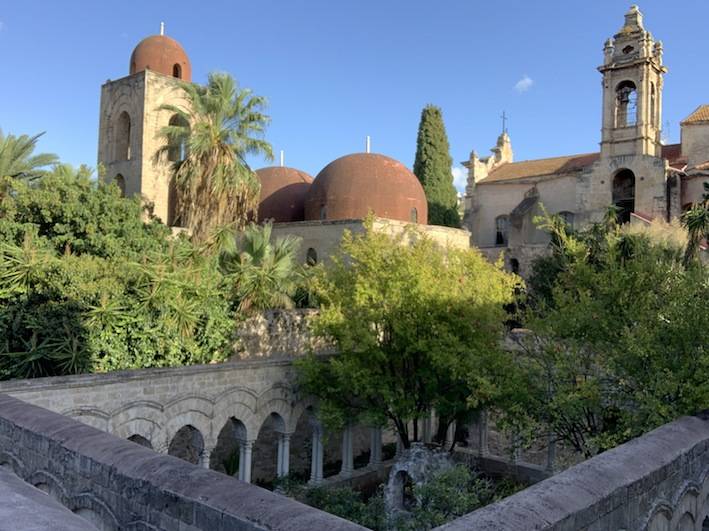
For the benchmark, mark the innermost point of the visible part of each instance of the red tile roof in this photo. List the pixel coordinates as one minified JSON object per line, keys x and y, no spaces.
{"x":511,"y":171}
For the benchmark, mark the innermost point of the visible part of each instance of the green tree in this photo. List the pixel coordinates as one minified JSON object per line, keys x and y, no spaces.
{"x":416,"y":327}
{"x":619,"y":346}
{"x":263,"y":274}
{"x":696,"y":221}
{"x":17,"y":158}
{"x":212,"y":135}
{"x":433,"y":167}
{"x":85,"y":285}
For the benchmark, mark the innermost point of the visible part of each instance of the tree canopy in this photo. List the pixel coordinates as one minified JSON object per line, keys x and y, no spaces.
{"x":416,"y":327}
{"x":17,"y":158}
{"x":433,"y":167}
{"x":209,"y":139}
{"x":620,"y":336}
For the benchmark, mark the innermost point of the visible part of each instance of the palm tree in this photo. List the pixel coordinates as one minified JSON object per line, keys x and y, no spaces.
{"x":264,"y":274}
{"x":220,"y":125}
{"x":696,"y":221}
{"x":17,"y":160}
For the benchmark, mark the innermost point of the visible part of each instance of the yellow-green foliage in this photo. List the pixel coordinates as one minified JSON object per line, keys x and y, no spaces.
{"x":416,"y":326}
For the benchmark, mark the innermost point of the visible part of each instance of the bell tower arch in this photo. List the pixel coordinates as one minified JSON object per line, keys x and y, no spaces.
{"x":632,"y":90}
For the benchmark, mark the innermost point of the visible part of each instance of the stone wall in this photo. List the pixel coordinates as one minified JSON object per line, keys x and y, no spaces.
{"x":116,"y":484}
{"x":657,"y":482}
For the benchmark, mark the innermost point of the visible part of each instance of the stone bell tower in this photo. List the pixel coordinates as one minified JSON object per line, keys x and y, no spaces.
{"x":131,"y":119}
{"x":632,"y":90}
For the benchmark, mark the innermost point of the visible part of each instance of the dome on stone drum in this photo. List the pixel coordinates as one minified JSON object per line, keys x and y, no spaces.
{"x":283,"y":192}
{"x":162,"y":54}
{"x":353,"y":185}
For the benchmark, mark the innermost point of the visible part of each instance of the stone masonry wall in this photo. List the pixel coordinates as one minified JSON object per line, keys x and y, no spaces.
{"x":657,"y":482}
{"x":117,"y":484}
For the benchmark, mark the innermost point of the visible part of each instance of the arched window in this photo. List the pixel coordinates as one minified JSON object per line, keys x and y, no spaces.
{"x":414,"y":215}
{"x":514,"y":266}
{"x":568,"y":218}
{"x":502,"y":225}
{"x":311,"y":257}
{"x":123,"y":137}
{"x":177,"y":71}
{"x":624,"y":194}
{"x":177,"y":150}
{"x":121,"y":183}
{"x":173,"y":215}
{"x":626,"y":104}
{"x":653,"y":118}
{"x":323,"y":212}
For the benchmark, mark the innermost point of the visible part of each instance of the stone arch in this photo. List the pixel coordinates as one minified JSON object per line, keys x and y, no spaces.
{"x":14,"y":464}
{"x":147,"y":428}
{"x":94,"y":510}
{"x":266,"y":448}
{"x":226,"y":454}
{"x":122,"y":143}
{"x":50,"y":485}
{"x":301,"y":443}
{"x":177,"y":147}
{"x":687,"y":508}
{"x":660,"y":517}
{"x":94,"y":417}
{"x":177,"y":71}
{"x":624,"y":194}
{"x":142,"y":441}
{"x":502,"y":228}
{"x":402,"y":494}
{"x":238,"y":402}
{"x":121,"y":183}
{"x":626,"y":104}
{"x":191,"y":410}
{"x":187,"y":444}
{"x":686,"y":523}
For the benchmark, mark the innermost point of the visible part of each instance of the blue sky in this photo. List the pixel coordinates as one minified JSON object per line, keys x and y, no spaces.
{"x":335,"y":71}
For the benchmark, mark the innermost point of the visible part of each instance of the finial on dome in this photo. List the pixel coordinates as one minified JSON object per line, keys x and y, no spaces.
{"x":162,"y":28}
{"x":283,"y":157}
{"x":368,"y":145}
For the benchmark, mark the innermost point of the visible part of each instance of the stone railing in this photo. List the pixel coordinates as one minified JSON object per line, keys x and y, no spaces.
{"x":657,"y":482}
{"x":117,"y":484}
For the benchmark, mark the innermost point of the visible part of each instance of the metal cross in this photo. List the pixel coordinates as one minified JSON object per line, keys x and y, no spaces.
{"x":504,"y":122}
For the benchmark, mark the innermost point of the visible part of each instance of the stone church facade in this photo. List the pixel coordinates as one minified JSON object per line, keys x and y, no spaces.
{"x":634,"y":171}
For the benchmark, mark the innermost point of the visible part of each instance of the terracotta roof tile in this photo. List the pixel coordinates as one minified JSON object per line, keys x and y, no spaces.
{"x":700,"y":114}
{"x":559,"y":165}
{"x":540,"y":167}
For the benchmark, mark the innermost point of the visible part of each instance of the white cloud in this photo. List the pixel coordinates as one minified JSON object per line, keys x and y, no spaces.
{"x":460,"y":178}
{"x":524,"y":84}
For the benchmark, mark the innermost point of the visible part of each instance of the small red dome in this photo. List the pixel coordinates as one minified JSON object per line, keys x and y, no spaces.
{"x":283,"y":192}
{"x":351,"y":186}
{"x":162,"y":54}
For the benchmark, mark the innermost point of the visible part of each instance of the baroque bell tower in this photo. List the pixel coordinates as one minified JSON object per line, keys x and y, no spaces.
{"x":632,"y":90}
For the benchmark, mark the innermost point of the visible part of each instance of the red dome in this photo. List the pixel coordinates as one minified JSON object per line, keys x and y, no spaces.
{"x":351,"y":186}
{"x":162,"y":54}
{"x":283,"y":192}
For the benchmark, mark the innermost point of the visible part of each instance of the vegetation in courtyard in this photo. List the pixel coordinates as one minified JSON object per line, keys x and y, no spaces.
{"x":263,"y":273}
{"x":433,"y":167}
{"x":209,"y":140}
{"x":416,"y":328}
{"x":447,"y":495}
{"x":620,"y":334}
{"x":87,"y":286}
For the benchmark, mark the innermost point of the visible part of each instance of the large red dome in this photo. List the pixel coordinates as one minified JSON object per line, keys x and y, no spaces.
{"x":353,"y":185}
{"x":283,"y":192}
{"x":162,"y":54}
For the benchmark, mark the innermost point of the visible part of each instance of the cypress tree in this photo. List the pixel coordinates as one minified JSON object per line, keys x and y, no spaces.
{"x":433,"y":167}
